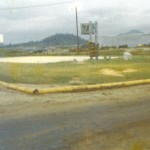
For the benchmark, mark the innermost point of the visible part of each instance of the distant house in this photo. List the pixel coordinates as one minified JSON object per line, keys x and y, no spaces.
{"x":130,"y":40}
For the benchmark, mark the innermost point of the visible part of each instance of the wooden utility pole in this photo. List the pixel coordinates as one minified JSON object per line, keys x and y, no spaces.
{"x":77,"y":29}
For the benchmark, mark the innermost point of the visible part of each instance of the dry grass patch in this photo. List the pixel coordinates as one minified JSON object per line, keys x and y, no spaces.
{"x":76,"y":81}
{"x":129,"y":71}
{"x":111,"y":72}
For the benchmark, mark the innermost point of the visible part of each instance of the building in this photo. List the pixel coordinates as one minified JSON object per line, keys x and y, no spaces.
{"x":130,"y":40}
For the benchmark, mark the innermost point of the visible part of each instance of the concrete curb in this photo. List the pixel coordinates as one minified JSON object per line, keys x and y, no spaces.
{"x":80,"y":88}
{"x":17,"y":88}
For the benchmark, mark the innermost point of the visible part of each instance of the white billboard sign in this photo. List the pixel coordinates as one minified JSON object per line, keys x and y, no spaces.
{"x":87,"y":28}
{"x":1,"y":38}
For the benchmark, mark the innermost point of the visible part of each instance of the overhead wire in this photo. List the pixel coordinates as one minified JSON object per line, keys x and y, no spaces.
{"x":36,"y":6}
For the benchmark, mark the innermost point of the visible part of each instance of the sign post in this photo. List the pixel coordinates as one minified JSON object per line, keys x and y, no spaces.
{"x":96,"y":33}
{"x":91,"y":29}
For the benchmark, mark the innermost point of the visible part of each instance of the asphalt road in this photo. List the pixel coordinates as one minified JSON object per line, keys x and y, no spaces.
{"x":115,"y":126}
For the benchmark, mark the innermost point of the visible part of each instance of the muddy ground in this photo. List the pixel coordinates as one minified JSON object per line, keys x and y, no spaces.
{"x":116,"y":119}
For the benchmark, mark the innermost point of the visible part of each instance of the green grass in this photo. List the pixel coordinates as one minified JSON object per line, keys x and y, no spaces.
{"x":5,"y":52}
{"x":89,"y":72}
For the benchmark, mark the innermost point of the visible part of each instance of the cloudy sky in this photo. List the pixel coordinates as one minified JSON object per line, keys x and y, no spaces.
{"x":113,"y":16}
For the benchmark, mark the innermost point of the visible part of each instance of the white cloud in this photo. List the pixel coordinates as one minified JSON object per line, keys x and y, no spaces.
{"x":113,"y":16}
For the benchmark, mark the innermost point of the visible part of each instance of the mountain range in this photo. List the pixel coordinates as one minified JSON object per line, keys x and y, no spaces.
{"x":71,"y":40}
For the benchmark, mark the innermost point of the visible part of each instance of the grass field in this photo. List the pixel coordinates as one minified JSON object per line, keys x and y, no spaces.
{"x":88,"y":72}
{"x":6,"y":52}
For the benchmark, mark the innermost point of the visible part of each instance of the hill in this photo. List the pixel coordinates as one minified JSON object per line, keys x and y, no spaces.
{"x":62,"y":39}
{"x":54,"y":40}
{"x":132,"y":32}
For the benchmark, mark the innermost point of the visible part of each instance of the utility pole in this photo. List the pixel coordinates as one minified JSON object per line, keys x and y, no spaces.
{"x":77,"y":29}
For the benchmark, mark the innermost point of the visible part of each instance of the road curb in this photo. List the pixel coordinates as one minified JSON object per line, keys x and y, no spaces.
{"x":17,"y":88}
{"x":71,"y":89}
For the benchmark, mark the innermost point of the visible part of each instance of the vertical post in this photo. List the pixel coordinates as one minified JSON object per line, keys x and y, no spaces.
{"x":77,"y":29}
{"x":96,"y":39}
{"x":96,"y":33}
{"x":90,"y":31}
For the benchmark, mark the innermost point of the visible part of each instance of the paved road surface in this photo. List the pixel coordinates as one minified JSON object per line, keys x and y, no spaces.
{"x":116,"y":125}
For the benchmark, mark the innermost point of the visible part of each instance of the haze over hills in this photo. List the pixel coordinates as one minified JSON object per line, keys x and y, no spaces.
{"x":131,"y":38}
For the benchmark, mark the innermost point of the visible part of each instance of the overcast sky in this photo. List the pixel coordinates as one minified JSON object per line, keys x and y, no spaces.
{"x":113,"y":16}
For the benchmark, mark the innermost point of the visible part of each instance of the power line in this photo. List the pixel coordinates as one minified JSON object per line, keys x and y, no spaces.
{"x":36,"y":6}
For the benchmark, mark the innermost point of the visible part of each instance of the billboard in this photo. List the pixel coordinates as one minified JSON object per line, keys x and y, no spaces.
{"x":88,"y":28}
{"x":1,"y":38}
